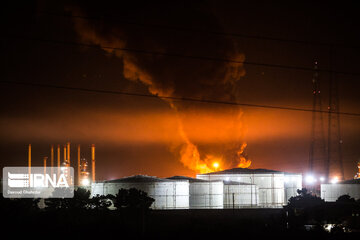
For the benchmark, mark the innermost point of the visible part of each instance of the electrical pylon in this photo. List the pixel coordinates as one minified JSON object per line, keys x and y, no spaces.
{"x":334,"y":166}
{"x":317,"y":153}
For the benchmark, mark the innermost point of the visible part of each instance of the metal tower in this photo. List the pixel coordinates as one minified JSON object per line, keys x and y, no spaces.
{"x":317,"y":153}
{"x":334,"y":166}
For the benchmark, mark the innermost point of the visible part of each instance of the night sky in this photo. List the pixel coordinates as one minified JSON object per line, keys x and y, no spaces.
{"x":177,"y":49}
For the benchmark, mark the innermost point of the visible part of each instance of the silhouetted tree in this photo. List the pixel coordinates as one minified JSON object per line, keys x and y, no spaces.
{"x":19,"y":204}
{"x":101,"y":202}
{"x":132,"y":198}
{"x":79,"y":201}
{"x":304,"y":200}
{"x":345,"y":199}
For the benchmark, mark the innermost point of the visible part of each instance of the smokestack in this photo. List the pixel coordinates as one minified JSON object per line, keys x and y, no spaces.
{"x":45,"y":158}
{"x":78,"y":165}
{"x":58,"y":159}
{"x":29,"y":161}
{"x":52,"y":160}
{"x":68,"y":153}
{"x":93,"y":162}
{"x":65,"y":156}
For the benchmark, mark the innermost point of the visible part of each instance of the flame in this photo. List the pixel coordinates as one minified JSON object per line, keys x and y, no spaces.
{"x":242,"y":161}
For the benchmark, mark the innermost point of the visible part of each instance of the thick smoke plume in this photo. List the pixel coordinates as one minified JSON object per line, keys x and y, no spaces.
{"x":179,"y":77}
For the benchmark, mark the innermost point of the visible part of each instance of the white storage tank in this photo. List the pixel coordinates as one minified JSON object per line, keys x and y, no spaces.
{"x":204,"y":194}
{"x":270,"y":183}
{"x":331,"y":192}
{"x":292,"y":183}
{"x":240,"y":195}
{"x":168,"y":194}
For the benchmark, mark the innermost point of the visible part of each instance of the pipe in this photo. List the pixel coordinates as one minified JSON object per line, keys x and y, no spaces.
{"x":29,"y":162}
{"x":52,"y":160}
{"x":68,"y":153}
{"x":65,"y":162}
{"x":45,"y":158}
{"x":58,"y":160}
{"x":93,"y":162}
{"x":78,"y":167}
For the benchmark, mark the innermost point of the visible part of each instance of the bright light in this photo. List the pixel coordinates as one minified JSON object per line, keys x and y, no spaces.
{"x":85,"y":182}
{"x":334,"y":180}
{"x":215,"y":165}
{"x":322,"y":179}
{"x":310,"y":179}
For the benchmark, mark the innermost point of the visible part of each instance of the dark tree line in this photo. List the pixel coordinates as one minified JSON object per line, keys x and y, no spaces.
{"x":125,"y":198}
{"x":309,"y":209}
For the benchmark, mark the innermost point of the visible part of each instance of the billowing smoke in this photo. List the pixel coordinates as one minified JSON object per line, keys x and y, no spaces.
{"x":177,"y":76}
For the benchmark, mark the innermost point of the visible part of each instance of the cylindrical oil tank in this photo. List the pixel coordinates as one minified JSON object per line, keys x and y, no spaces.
{"x":97,"y":188}
{"x":292,"y":183}
{"x":270,"y":183}
{"x":331,"y":192}
{"x":240,"y":195}
{"x":168,"y":194}
{"x":204,"y":194}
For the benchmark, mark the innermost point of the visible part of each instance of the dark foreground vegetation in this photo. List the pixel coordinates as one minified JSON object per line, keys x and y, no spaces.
{"x":82,"y":217}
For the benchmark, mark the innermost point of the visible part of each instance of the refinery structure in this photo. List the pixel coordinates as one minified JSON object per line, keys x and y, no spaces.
{"x":82,"y":177}
{"x":231,"y":188}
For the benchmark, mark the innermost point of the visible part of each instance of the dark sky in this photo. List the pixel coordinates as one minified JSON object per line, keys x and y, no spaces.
{"x":141,"y":135}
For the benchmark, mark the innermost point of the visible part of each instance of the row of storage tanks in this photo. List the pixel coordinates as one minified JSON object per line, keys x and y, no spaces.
{"x":233,"y":188}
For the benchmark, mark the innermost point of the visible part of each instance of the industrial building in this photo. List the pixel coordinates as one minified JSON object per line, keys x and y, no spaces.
{"x":233,"y":188}
{"x":269,"y":188}
{"x":240,"y":195}
{"x":332,"y":191}
{"x":168,"y":194}
{"x":204,"y":194}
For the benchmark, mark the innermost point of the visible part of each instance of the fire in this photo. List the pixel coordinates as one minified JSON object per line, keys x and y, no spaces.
{"x":242,"y":161}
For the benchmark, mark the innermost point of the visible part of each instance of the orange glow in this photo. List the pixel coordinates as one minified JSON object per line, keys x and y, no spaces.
{"x":242,"y":161}
{"x":215,"y":165}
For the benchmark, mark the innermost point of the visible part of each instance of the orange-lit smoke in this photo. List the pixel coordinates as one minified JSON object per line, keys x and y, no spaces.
{"x":216,"y":80}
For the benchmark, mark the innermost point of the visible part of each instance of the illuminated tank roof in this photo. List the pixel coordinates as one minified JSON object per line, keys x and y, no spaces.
{"x":243,"y":170}
{"x":247,"y":171}
{"x":190,"y":179}
{"x":139,"y":178}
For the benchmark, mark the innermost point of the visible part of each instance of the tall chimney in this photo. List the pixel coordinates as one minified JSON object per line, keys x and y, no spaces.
{"x":65,"y":156}
{"x":52,"y":160}
{"x":58,"y":159}
{"x":93,"y":162}
{"x":29,"y":161}
{"x":78,"y":165}
{"x":45,"y":158}
{"x":68,"y":153}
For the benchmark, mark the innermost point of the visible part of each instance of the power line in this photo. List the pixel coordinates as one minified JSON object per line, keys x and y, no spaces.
{"x":148,"y":52}
{"x":200,"y":31}
{"x":174,"y":98}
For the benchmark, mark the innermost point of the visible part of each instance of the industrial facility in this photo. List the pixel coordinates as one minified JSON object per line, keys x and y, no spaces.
{"x":168,"y":194}
{"x":233,"y":188}
{"x":330,"y":192}
{"x":263,"y":187}
{"x":83,"y":175}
